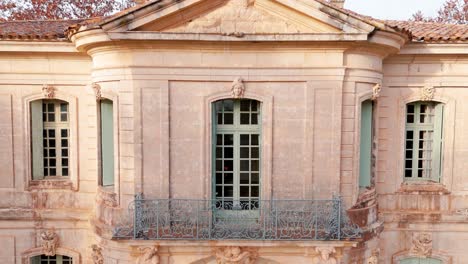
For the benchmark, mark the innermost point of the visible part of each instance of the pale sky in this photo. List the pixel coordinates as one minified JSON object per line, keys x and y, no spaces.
{"x":394,"y":9}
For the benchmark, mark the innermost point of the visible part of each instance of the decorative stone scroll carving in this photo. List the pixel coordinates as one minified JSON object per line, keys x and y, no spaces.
{"x":238,"y":88}
{"x":49,"y":242}
{"x":325,"y":256}
{"x":149,"y":255}
{"x":97,"y":254}
{"x":48,"y":91}
{"x":427,"y":93}
{"x":374,"y":258}
{"x":366,"y":198}
{"x":376,"y":91}
{"x":422,"y":244}
{"x":463,"y":211}
{"x":97,"y":91}
{"x":107,"y":198}
{"x":235,"y":255}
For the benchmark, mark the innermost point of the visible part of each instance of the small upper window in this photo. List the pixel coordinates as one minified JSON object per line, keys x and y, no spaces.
{"x":57,"y":259}
{"x":50,"y":138}
{"x":423,"y":141}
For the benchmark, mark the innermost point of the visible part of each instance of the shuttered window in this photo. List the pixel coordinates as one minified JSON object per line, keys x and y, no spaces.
{"x":423,"y":141}
{"x":365,"y":148}
{"x":50,"y":138}
{"x":107,"y":142}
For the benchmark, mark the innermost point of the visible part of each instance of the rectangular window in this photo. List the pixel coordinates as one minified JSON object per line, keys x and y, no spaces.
{"x":423,"y":141}
{"x":365,"y":148}
{"x":107,"y":142}
{"x":50,"y":138}
{"x":57,"y":259}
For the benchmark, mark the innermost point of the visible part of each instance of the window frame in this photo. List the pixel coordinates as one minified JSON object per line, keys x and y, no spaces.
{"x":436,"y":147}
{"x":448,"y":130}
{"x":237,"y":129}
{"x":68,"y":182}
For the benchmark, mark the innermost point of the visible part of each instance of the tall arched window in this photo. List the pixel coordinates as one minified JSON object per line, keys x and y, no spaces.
{"x":423,"y":141}
{"x":236,"y":148}
{"x":57,"y":259}
{"x":50,"y":139}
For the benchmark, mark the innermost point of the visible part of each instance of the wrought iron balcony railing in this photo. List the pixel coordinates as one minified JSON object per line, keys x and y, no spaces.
{"x":178,"y":219}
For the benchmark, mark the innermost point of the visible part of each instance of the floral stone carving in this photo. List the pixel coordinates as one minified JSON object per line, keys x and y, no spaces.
{"x":238,"y":88}
{"x":48,"y":91}
{"x":97,"y":255}
{"x":374,"y":258}
{"x":427,"y":93}
{"x":325,"y":255}
{"x":149,"y":255}
{"x":235,"y":255}
{"x":422,"y":244}
{"x":49,"y":242}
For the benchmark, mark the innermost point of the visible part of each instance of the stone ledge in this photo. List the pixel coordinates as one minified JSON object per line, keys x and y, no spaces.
{"x":423,"y":188}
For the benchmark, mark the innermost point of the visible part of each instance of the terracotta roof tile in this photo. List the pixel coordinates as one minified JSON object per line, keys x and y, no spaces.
{"x":55,"y":30}
{"x":50,"y":30}
{"x":432,"y":32}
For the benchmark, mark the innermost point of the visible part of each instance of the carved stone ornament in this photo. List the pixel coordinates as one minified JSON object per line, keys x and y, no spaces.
{"x":427,"y":93}
{"x":238,"y":88}
{"x":422,"y":244}
{"x":109,"y":199}
{"x":48,"y":91}
{"x":374,"y":258}
{"x":149,"y":255}
{"x":376,"y":91}
{"x":97,"y":254}
{"x":325,"y":256}
{"x":235,"y":255}
{"x":463,"y":211}
{"x":97,"y":91}
{"x":49,"y":242}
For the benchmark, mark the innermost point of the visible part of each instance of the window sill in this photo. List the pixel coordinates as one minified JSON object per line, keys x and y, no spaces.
{"x":53,"y":183}
{"x":423,"y":187}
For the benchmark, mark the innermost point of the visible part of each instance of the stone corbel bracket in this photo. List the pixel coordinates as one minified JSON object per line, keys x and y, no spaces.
{"x":149,"y":255}
{"x":97,"y":91}
{"x":376,"y":89}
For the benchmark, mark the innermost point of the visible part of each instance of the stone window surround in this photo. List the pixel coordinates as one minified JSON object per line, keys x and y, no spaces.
{"x":266,"y":139}
{"x":448,"y":131}
{"x":71,"y":182}
{"x":113,"y":190}
{"x":28,"y":254}
{"x":399,"y":256}
{"x":360,"y":98}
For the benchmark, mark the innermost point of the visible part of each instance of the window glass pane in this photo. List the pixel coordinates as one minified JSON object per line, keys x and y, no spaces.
{"x":254,"y":153}
{"x":228,"y":140}
{"x":245,"y":105}
{"x":228,"y":178}
{"x":254,"y":165}
{"x":244,"y":165}
{"x":254,"y":140}
{"x":228,"y":105}
{"x":255,"y":191}
{"x":244,"y":119}
{"x":228,"y":165}
{"x":228,"y":152}
{"x":244,"y":140}
{"x":228,"y":119}
{"x":244,"y":152}
{"x":254,"y":119}
{"x":228,"y":191}
{"x":254,"y":106}
{"x":244,"y":178}
{"x":255,"y":178}
{"x":244,"y":191}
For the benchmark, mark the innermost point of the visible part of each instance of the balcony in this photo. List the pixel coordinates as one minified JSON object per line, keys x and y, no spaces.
{"x":181,"y":219}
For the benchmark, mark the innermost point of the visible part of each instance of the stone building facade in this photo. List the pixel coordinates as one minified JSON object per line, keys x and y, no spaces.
{"x":233,"y":131}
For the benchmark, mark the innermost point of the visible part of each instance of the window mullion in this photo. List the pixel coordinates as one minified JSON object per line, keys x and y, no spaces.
{"x":236,"y":169}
